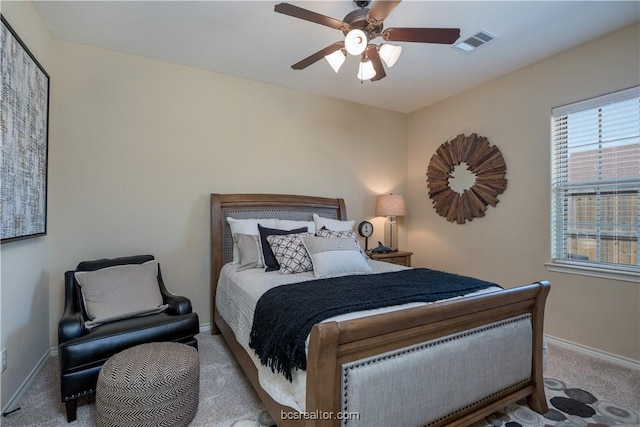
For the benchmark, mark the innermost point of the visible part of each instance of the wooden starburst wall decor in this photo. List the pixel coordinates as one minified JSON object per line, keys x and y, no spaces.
{"x":483,"y":160}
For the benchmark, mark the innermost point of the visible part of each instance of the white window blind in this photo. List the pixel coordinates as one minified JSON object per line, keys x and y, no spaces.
{"x":595,"y":180}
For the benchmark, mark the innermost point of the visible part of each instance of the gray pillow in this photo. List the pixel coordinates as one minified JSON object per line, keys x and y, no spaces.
{"x":335,"y":256}
{"x":120,"y":292}
{"x":343,"y":234}
{"x":249,"y":251}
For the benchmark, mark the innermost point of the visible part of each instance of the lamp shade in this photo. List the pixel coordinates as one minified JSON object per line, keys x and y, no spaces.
{"x":355,"y":42}
{"x":390,"y":54}
{"x":366,"y":70}
{"x":336,"y":59}
{"x":390,"y":205}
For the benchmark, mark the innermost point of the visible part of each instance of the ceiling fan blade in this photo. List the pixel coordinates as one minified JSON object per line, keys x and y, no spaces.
{"x":380,"y":10}
{"x":422,"y":35}
{"x":318,"y":55}
{"x":307,"y":15}
{"x":372,"y":54}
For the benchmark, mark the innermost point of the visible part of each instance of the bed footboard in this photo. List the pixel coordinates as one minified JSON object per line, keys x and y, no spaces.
{"x":446,"y":374}
{"x":451,"y":363}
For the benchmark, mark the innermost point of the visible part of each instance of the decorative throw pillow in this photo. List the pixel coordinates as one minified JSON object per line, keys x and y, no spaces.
{"x":120,"y":292}
{"x":346,"y":234}
{"x":332,"y":224}
{"x":290,"y":253}
{"x":338,"y":256}
{"x":288,"y":224}
{"x":270,"y":261}
{"x":247,"y":226}
{"x":249,"y":250}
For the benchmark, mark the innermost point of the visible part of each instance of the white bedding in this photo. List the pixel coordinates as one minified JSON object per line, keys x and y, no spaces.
{"x":236,"y":298}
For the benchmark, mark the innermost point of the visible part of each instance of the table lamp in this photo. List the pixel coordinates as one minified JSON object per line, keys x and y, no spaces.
{"x":391,"y":206}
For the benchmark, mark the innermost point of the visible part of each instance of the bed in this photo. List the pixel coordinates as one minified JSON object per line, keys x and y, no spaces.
{"x":452,"y":362}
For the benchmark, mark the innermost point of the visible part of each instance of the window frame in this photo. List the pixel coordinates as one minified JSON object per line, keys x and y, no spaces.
{"x":560,"y":199}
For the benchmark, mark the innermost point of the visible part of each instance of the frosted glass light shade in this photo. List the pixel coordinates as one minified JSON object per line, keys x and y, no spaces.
{"x":355,"y":42}
{"x":336,"y":59}
{"x":366,"y":70}
{"x":390,"y":54}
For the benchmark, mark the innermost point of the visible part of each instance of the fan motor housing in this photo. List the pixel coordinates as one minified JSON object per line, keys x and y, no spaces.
{"x":358,"y":20}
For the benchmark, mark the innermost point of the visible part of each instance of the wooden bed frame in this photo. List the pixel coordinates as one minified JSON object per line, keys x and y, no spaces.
{"x":331,"y":344}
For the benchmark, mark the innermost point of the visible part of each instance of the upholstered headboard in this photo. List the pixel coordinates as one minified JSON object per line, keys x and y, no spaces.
{"x":240,"y":206}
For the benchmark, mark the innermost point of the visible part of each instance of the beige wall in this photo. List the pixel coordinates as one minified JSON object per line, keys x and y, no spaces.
{"x":511,"y":243}
{"x":24,"y":319}
{"x":140,"y":145}
{"x":137,"y":145}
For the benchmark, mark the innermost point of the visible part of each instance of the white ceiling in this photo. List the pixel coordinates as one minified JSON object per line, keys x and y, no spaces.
{"x":249,"y":40}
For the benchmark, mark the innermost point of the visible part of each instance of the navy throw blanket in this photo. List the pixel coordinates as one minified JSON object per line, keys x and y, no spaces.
{"x":285,"y":315}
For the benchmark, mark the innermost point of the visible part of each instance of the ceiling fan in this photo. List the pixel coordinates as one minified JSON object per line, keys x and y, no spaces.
{"x":360,"y":27}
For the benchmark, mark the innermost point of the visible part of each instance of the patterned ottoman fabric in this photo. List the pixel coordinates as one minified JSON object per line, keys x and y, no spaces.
{"x":155,"y":384}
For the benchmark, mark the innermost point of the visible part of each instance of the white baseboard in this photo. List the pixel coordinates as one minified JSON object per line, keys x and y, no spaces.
{"x":627,"y":362}
{"x":27,"y":382}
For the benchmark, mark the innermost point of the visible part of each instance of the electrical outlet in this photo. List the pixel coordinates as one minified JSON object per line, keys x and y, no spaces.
{"x":4,"y":359}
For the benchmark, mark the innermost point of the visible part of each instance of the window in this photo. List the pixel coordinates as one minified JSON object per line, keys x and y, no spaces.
{"x":595,"y":180}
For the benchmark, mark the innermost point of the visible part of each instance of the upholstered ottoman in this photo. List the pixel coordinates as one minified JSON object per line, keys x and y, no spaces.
{"x":155,"y":384}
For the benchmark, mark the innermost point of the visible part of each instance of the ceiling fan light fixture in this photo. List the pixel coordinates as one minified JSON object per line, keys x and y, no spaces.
{"x":336,"y":59}
{"x":389,"y":54}
{"x":366,"y":70}
{"x":355,"y":42}
{"x":360,"y":25}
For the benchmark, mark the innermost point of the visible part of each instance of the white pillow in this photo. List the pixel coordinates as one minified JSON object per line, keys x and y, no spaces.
{"x":290,"y":252}
{"x":288,"y":224}
{"x":332,"y":224}
{"x":120,"y":292}
{"x":247,"y":226}
{"x":337,"y":256}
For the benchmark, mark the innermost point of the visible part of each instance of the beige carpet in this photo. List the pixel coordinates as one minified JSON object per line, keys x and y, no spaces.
{"x":226,"y":397}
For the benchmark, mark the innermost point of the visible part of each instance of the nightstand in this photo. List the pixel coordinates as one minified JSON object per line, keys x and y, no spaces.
{"x":398,"y":257}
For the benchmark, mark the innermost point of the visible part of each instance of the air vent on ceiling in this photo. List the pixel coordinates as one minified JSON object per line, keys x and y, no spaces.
{"x":473,"y":42}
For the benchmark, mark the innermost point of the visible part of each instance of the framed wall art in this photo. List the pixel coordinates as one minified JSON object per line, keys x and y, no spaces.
{"x":24,"y":124}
